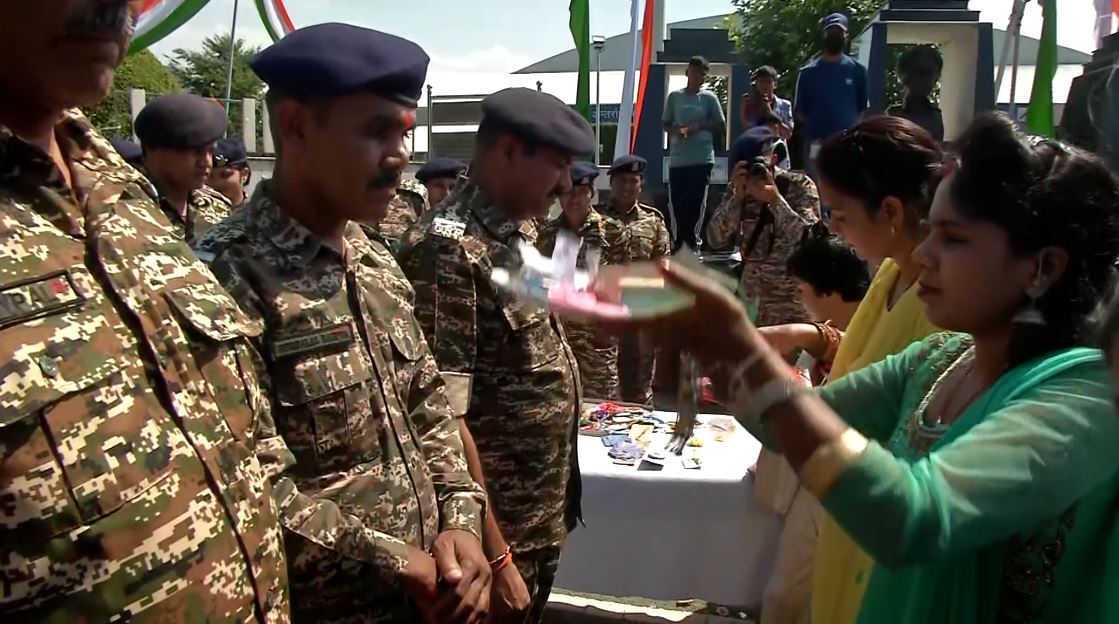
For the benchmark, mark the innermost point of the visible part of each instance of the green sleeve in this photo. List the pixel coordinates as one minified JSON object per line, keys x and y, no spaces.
{"x":1027,"y":462}
{"x":868,"y":399}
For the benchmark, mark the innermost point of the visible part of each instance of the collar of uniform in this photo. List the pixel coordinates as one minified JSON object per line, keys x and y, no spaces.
{"x":490,"y":216}
{"x":613,"y":208}
{"x":588,"y":223}
{"x":21,"y":160}
{"x":299,"y":245}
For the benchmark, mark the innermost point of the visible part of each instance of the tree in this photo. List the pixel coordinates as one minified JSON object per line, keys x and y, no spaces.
{"x":142,"y":70}
{"x":203,"y":72}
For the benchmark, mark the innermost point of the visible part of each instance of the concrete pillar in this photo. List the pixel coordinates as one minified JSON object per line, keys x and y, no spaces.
{"x":269,"y":145}
{"x":248,"y":124}
{"x":661,"y":29}
{"x":137,"y":98}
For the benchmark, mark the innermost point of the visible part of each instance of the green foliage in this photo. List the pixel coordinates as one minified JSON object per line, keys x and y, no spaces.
{"x":786,"y":34}
{"x":138,"y":71}
{"x":203,"y":71}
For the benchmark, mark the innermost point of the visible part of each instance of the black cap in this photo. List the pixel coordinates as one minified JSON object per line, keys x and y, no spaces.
{"x":538,"y":118}
{"x":699,"y":61}
{"x":583,"y":173}
{"x":750,"y":144}
{"x":338,"y":59}
{"x":180,"y":121}
{"x":440,"y":167}
{"x":130,"y":151}
{"x":230,"y":152}
{"x":631,"y":163}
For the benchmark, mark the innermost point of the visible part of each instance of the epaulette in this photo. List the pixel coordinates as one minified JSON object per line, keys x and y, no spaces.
{"x":214,"y":195}
{"x":450,"y":229}
{"x":652,"y":209}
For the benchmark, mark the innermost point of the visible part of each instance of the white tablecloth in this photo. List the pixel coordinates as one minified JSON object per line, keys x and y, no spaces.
{"x":675,"y":533}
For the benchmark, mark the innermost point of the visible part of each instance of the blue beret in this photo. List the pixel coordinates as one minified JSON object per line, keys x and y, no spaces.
{"x":537,"y":117}
{"x":583,"y":173}
{"x":630,"y":163}
{"x":130,"y":151}
{"x":339,"y":59}
{"x":229,"y":152}
{"x":440,"y":167}
{"x":180,"y":121}
{"x":750,"y":144}
{"x":835,"y":19}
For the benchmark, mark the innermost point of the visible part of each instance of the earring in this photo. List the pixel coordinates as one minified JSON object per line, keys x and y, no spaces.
{"x":1029,"y":314}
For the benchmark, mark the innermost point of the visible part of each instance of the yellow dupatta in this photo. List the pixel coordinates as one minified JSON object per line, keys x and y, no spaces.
{"x":842,"y":568}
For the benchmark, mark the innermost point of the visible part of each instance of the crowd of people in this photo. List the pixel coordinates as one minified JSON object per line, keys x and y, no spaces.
{"x":313,"y":404}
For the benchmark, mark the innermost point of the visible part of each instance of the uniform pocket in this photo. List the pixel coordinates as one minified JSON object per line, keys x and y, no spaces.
{"x":325,"y":407}
{"x":532,"y":342}
{"x":82,"y":431}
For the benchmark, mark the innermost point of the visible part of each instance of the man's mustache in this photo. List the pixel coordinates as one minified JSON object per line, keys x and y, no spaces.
{"x":101,"y":19}
{"x":386,"y":180}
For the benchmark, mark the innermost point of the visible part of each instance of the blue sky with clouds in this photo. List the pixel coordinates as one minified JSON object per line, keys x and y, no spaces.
{"x":505,"y":35}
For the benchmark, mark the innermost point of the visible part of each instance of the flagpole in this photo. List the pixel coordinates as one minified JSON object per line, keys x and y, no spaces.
{"x":599,"y":43}
{"x":229,"y":65}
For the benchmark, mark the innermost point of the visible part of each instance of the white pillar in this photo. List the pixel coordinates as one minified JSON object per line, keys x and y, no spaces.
{"x":248,"y":124}
{"x":269,"y":145}
{"x":136,"y":101}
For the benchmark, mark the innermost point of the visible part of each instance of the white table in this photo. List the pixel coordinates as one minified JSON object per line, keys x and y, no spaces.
{"x":674,"y":533}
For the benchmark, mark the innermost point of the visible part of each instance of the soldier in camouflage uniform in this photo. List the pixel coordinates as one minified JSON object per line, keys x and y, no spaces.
{"x":178,"y":132}
{"x":439,"y":176}
{"x":596,"y":352}
{"x":405,"y":207}
{"x":636,"y":232}
{"x":767,"y":218}
{"x":136,"y":451}
{"x":377,"y":477}
{"x":509,"y":368}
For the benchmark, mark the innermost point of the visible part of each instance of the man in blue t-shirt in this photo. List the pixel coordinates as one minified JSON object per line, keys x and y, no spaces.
{"x":691,"y":117}
{"x":831,"y":90}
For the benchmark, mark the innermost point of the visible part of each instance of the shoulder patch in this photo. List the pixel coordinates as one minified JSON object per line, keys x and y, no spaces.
{"x":448,"y":228}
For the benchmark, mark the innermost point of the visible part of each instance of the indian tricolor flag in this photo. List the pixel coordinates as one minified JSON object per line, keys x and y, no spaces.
{"x":159,"y":18}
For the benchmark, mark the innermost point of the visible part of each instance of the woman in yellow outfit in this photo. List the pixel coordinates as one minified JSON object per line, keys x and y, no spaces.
{"x":877,"y":181}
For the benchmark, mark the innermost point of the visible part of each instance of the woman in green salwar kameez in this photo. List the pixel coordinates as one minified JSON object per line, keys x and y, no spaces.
{"x":978,"y":468}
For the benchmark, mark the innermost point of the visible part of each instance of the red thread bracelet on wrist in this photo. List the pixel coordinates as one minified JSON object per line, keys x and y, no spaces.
{"x":503,"y":561}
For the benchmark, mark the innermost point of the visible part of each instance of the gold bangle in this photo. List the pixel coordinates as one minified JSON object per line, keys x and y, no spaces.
{"x":830,"y":460}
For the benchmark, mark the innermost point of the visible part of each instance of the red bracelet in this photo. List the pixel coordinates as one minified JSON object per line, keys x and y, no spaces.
{"x":503,"y":561}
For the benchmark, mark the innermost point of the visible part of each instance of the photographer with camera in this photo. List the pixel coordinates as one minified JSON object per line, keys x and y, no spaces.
{"x":766,"y":209}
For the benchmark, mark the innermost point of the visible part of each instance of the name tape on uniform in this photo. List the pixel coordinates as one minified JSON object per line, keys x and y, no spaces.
{"x":38,"y":296}
{"x":448,"y":228}
{"x":340,"y":335}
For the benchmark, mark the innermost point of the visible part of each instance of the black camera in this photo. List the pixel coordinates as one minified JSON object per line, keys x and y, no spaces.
{"x":759,"y":167}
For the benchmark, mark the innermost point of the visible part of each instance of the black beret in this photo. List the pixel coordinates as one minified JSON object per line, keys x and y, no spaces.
{"x":440,"y":167}
{"x":630,"y":163}
{"x":750,"y":144}
{"x":583,"y":173}
{"x":230,"y":152}
{"x":180,"y":121}
{"x":130,"y":151}
{"x":339,"y":59}
{"x":538,"y":118}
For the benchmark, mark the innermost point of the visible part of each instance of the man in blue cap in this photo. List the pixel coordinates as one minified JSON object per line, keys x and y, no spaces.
{"x":509,"y":369}
{"x":130,"y":151}
{"x":596,"y":353}
{"x":178,"y":132}
{"x":230,"y":175}
{"x":764,"y":210}
{"x":636,"y":232}
{"x":439,"y":175}
{"x":381,"y":517}
{"x":831,"y":91}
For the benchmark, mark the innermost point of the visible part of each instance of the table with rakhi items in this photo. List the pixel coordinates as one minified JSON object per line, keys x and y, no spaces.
{"x":673,"y":533}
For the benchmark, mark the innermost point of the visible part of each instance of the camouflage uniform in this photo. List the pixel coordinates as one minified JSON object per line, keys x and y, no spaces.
{"x":205,"y":209}
{"x":596,"y":352}
{"x":409,"y":203}
{"x":636,"y":234}
{"x":509,"y":370}
{"x":376,"y":460}
{"x":764,"y":276}
{"x":134,"y":488}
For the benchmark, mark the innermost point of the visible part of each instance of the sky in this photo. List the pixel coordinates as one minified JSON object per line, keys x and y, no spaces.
{"x":501,"y":36}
